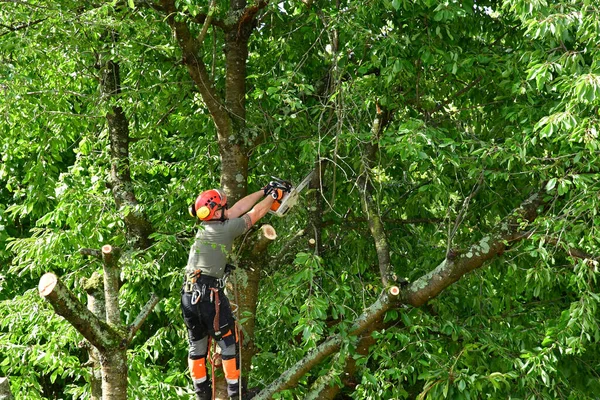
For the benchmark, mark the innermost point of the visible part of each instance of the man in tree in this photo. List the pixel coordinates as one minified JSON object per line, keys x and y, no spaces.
{"x":206,"y":309}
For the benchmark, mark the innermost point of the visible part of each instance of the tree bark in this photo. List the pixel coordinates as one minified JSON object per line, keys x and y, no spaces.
{"x":121,"y":184}
{"x":114,"y":374}
{"x":65,"y":303}
{"x":95,"y":303}
{"x":112,"y":272}
{"x":246,"y":281}
{"x":5,"y":393}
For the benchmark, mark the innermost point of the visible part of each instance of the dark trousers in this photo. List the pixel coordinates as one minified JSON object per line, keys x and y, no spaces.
{"x":200,"y":322}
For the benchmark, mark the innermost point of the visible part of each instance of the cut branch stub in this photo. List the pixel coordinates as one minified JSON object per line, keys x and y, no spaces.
{"x":268,"y":232}
{"x":68,"y":306}
{"x":47,"y":284}
{"x":110,"y":257}
{"x":265,"y":236}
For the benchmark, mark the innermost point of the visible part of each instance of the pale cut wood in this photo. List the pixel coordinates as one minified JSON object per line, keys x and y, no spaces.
{"x":47,"y":283}
{"x":268,"y":232}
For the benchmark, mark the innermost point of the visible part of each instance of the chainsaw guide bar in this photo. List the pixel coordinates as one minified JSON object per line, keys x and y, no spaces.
{"x":292,"y":193}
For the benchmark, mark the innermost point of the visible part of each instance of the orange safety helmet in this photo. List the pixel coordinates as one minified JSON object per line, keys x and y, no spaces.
{"x":208,"y":203}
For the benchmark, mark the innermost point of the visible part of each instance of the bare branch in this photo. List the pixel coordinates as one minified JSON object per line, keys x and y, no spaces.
{"x":207,"y":21}
{"x":142,"y":316}
{"x":20,"y":27}
{"x":91,"y":253}
{"x":67,"y":305}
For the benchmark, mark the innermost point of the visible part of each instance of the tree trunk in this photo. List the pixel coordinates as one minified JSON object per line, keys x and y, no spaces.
{"x":114,"y":374}
{"x":247,"y":283}
{"x":5,"y":393}
{"x":95,"y":303}
{"x":228,"y":111}
{"x":136,"y":220}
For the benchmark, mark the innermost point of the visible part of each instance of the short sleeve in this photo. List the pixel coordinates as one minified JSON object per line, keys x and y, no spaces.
{"x":240,"y":225}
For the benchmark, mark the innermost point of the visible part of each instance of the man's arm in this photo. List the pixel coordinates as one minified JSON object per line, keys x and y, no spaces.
{"x":243,"y":205}
{"x":261,"y":209}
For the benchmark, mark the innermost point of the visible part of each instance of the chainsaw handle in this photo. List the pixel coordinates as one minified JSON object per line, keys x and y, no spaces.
{"x":277,"y":194}
{"x":278,"y":183}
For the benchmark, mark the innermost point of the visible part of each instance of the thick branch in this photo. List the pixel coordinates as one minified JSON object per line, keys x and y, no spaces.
{"x":66,"y":304}
{"x":196,"y":67}
{"x":142,"y":316}
{"x":455,"y":266}
{"x":112,"y":271}
{"x":325,"y":387}
{"x":363,"y":323}
{"x":420,"y":291}
{"x":138,"y":224}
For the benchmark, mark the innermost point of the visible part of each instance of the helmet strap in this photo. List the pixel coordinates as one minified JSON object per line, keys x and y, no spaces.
{"x":223,"y":218}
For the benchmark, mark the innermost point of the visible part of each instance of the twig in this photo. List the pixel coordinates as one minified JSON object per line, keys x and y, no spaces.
{"x":207,"y":21}
{"x":463,"y":211}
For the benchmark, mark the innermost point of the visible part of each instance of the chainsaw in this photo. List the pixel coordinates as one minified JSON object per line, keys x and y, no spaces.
{"x":290,"y":196}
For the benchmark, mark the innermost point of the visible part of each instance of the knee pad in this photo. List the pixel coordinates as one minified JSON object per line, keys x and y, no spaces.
{"x":231,"y":369}
{"x":198,"y":348}
{"x":198,"y":370}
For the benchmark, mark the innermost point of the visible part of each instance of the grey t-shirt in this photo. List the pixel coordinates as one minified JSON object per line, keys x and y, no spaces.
{"x":213,"y":243}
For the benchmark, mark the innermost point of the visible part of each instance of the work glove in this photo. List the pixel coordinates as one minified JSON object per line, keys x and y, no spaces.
{"x":268,"y":189}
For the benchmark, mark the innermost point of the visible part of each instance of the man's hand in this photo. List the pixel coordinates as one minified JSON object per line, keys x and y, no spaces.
{"x":268,"y":189}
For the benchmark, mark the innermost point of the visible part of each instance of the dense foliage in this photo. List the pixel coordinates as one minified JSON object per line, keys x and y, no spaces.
{"x":486,"y":102}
